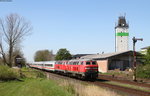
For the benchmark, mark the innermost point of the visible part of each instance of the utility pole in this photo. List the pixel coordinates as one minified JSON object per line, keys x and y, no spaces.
{"x":134,"y":56}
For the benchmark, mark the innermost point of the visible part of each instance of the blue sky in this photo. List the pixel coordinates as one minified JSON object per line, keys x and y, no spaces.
{"x":81,"y":26}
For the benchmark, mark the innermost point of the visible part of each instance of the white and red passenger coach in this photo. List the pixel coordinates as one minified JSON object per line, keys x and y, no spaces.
{"x":45,"y":65}
{"x":81,"y":68}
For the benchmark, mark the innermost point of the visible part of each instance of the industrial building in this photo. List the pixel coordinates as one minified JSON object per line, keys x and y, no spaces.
{"x":111,"y":61}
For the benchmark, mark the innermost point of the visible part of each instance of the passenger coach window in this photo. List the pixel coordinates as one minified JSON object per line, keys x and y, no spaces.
{"x":93,"y":63}
{"x":87,"y":63}
{"x":48,"y":64}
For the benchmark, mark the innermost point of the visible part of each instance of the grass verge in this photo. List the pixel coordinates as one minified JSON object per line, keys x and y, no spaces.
{"x":33,"y":83}
{"x":84,"y":89}
{"x":32,"y":87}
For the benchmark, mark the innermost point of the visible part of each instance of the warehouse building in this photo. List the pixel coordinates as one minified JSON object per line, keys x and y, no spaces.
{"x":111,"y":61}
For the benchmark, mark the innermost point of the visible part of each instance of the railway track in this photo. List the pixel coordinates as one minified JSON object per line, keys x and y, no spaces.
{"x":129,"y":91}
{"x":110,"y":78}
{"x":124,"y":90}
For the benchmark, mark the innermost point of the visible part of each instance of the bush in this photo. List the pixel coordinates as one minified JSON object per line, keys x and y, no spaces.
{"x":7,"y":73}
{"x":40,"y":74}
{"x":143,"y":71}
{"x":32,"y":73}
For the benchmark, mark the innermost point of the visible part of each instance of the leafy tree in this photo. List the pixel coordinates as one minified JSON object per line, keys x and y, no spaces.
{"x":143,"y":71}
{"x":63,"y":54}
{"x":43,"y":55}
{"x":147,"y":57}
{"x":13,"y":29}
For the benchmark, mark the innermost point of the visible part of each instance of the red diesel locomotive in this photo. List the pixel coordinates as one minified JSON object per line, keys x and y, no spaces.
{"x":81,"y":68}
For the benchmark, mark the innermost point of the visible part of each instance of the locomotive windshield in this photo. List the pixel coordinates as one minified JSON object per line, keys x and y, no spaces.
{"x":87,"y":63}
{"x":93,"y":63}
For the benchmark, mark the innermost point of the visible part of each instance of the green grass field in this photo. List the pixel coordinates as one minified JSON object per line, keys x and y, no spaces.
{"x":32,"y":87}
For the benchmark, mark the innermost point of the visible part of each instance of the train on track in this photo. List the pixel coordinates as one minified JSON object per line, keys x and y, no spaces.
{"x":81,"y":68}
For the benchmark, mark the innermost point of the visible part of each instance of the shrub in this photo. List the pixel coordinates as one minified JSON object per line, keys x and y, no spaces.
{"x":143,"y":71}
{"x":7,"y":73}
{"x":40,"y":74}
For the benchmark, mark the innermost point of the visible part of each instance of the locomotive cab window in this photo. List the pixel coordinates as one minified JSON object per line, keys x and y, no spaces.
{"x":87,"y":63}
{"x":93,"y":63}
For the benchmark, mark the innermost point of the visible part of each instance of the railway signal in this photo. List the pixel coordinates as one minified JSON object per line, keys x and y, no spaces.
{"x":134,"y":56}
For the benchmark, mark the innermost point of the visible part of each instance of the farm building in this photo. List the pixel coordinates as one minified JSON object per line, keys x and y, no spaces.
{"x":111,"y":61}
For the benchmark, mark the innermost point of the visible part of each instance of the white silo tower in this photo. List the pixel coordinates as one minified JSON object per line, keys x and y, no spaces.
{"x":121,"y":35}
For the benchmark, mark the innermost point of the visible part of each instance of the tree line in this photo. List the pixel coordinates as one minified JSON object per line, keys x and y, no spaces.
{"x":46,"y":55}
